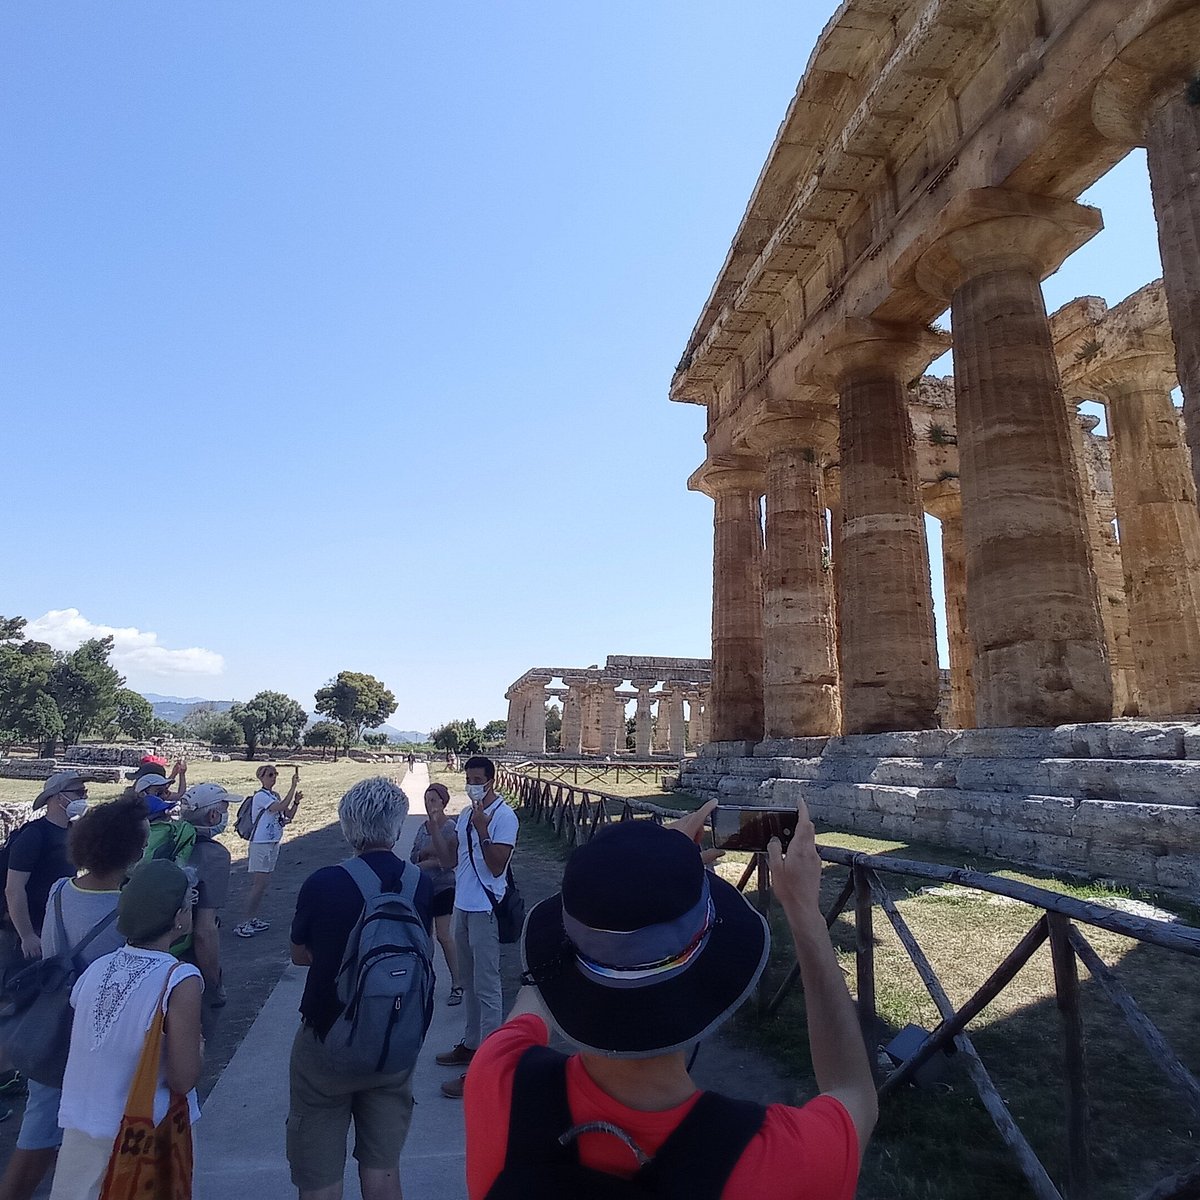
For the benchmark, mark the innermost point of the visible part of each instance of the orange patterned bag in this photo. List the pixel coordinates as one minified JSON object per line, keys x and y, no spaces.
{"x":151,"y":1162}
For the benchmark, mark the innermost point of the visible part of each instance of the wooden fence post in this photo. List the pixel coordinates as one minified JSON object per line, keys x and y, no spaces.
{"x":1066,"y":989}
{"x":864,"y":960}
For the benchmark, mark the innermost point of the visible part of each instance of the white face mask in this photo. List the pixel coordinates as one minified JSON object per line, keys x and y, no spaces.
{"x":76,"y":808}
{"x":476,"y":791}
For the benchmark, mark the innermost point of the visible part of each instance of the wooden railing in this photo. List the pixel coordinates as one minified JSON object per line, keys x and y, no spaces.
{"x":577,"y":813}
{"x":585,"y":771}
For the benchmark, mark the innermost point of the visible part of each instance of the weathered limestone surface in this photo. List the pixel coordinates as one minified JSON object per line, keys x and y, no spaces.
{"x":1032,"y":604}
{"x":1117,"y":800}
{"x":800,"y":674}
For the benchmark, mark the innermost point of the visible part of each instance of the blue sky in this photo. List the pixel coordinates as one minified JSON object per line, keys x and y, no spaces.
{"x":339,"y":336}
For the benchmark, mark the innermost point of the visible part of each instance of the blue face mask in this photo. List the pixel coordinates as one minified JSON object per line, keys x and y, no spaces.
{"x":220,"y":826}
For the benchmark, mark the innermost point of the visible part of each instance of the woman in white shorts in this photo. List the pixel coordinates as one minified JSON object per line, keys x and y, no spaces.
{"x":270,"y":813}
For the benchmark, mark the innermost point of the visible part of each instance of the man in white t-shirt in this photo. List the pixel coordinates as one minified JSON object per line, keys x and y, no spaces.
{"x":269,"y":813}
{"x":487,"y":833}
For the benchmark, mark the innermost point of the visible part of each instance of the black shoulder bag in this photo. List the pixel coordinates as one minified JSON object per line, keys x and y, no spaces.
{"x":510,"y":911}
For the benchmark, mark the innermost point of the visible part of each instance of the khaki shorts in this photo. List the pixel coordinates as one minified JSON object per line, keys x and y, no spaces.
{"x":322,"y":1105}
{"x":262,"y":857}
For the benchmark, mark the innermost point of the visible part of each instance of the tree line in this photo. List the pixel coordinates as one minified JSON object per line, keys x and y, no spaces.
{"x":50,"y":696}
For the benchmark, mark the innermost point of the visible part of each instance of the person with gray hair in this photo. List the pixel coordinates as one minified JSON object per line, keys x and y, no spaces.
{"x":324,"y":1099}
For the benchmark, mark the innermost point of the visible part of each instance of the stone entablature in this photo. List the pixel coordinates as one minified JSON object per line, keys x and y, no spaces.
{"x":1113,"y":800}
{"x":932,"y":158}
{"x":594,"y":700}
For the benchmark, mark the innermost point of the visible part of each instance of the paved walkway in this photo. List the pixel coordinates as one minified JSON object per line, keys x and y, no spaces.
{"x":240,"y":1139}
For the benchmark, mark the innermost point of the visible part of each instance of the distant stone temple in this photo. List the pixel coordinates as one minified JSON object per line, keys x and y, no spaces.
{"x":932,"y":158}
{"x":671,"y":697}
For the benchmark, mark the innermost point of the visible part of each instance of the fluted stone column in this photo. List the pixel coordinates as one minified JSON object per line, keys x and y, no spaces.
{"x":535,"y":718}
{"x":642,"y":720}
{"x":737,"y":602}
{"x":1160,"y":533}
{"x":512,"y":727}
{"x":611,"y":723}
{"x":1149,"y":98}
{"x":799,"y":659}
{"x":662,"y":725}
{"x":888,"y":652}
{"x":700,"y":719}
{"x":592,"y":699}
{"x":678,"y":723}
{"x":1032,"y":606}
{"x":945,"y":503}
{"x":572,"y":721}
{"x":1106,"y":566}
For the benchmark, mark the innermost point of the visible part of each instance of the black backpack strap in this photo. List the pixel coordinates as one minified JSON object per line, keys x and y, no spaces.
{"x":539,"y":1111}
{"x":695,"y":1162}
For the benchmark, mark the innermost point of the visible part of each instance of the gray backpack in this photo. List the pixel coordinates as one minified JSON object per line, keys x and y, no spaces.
{"x":385,"y":982}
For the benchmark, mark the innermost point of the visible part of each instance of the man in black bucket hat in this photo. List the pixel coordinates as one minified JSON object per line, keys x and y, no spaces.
{"x":641,"y":955}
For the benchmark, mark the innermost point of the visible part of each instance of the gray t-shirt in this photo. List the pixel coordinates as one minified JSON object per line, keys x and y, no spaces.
{"x":441,"y":878}
{"x":211,"y":862}
{"x":81,"y":910}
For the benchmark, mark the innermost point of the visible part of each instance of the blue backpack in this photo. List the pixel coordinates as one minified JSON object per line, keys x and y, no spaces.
{"x":385,"y":982}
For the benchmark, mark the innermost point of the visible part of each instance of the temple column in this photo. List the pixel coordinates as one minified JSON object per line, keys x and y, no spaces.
{"x":1160,"y":532}
{"x":611,"y":712}
{"x":1106,"y":566}
{"x":888,"y":651}
{"x":662,"y":725}
{"x":701,"y":734}
{"x":737,"y":640}
{"x":535,"y":717}
{"x":1032,"y":606}
{"x":512,"y":727}
{"x":642,"y":728}
{"x":572,"y":721}
{"x":678,"y":723}
{"x":591,"y":719}
{"x":1148,"y":98}
{"x":799,"y":660}
{"x":945,"y":503}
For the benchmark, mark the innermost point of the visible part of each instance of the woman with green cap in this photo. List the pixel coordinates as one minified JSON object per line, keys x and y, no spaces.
{"x":116,"y":1000}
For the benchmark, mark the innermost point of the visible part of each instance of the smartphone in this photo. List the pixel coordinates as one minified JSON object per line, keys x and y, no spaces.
{"x":751,"y":828}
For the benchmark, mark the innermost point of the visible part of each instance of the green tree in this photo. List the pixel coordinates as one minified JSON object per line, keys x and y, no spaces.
{"x":323,"y":735}
{"x":269,"y":719}
{"x":224,"y":732}
{"x":356,"y":701}
{"x":132,"y":714}
{"x":494,"y":732}
{"x":553,"y":727}
{"x":375,"y":740}
{"x":459,"y":736}
{"x":84,"y":685}
{"x":27,"y":710}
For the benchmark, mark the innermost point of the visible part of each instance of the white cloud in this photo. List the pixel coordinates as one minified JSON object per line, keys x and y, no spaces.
{"x":134,"y":651}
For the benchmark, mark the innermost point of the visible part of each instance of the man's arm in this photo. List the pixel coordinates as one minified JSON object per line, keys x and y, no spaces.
{"x":839,"y":1056}
{"x":301,"y":955}
{"x":18,"y":912}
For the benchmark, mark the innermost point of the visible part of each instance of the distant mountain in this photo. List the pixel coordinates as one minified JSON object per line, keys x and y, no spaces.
{"x":175,"y":708}
{"x":400,"y":735}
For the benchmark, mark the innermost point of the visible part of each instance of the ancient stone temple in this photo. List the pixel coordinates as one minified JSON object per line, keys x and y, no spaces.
{"x":932,"y":158}
{"x":931,"y":163}
{"x":670,"y":698}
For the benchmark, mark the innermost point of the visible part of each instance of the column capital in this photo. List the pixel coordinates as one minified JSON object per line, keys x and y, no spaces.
{"x":815,"y":428}
{"x":942,"y":499}
{"x":728,"y":473}
{"x":1147,"y":73}
{"x":993,"y":229}
{"x":863,"y":346}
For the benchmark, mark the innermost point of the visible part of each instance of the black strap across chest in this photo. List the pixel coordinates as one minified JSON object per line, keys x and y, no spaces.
{"x":694,"y":1163}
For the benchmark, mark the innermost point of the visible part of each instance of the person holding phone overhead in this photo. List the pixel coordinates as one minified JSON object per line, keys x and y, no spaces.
{"x":487,"y":833}
{"x":270,"y":813}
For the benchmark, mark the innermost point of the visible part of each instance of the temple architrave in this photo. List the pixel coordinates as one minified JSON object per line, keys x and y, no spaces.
{"x":932,"y":158}
{"x":671,"y":697}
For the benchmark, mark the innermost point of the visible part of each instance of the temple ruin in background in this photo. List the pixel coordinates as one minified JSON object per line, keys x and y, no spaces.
{"x":671,"y":697}
{"x":932,"y":159}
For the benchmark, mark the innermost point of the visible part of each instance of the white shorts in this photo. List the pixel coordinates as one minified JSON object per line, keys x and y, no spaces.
{"x":262,"y":857}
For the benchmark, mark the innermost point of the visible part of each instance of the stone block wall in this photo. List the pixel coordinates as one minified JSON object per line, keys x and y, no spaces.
{"x":1118,"y":800}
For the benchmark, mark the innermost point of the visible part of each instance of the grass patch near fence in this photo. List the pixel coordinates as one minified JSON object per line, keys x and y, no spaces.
{"x":939,"y":1143}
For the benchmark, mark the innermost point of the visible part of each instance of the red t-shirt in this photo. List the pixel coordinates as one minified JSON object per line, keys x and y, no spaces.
{"x":808,"y":1153}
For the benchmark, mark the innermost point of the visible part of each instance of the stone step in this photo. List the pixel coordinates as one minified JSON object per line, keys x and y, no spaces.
{"x":1137,"y":781}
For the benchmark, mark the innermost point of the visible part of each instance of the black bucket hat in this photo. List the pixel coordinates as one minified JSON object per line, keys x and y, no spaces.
{"x":643,"y":951}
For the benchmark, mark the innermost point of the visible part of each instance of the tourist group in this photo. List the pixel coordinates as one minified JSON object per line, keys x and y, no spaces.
{"x":112,"y":976}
